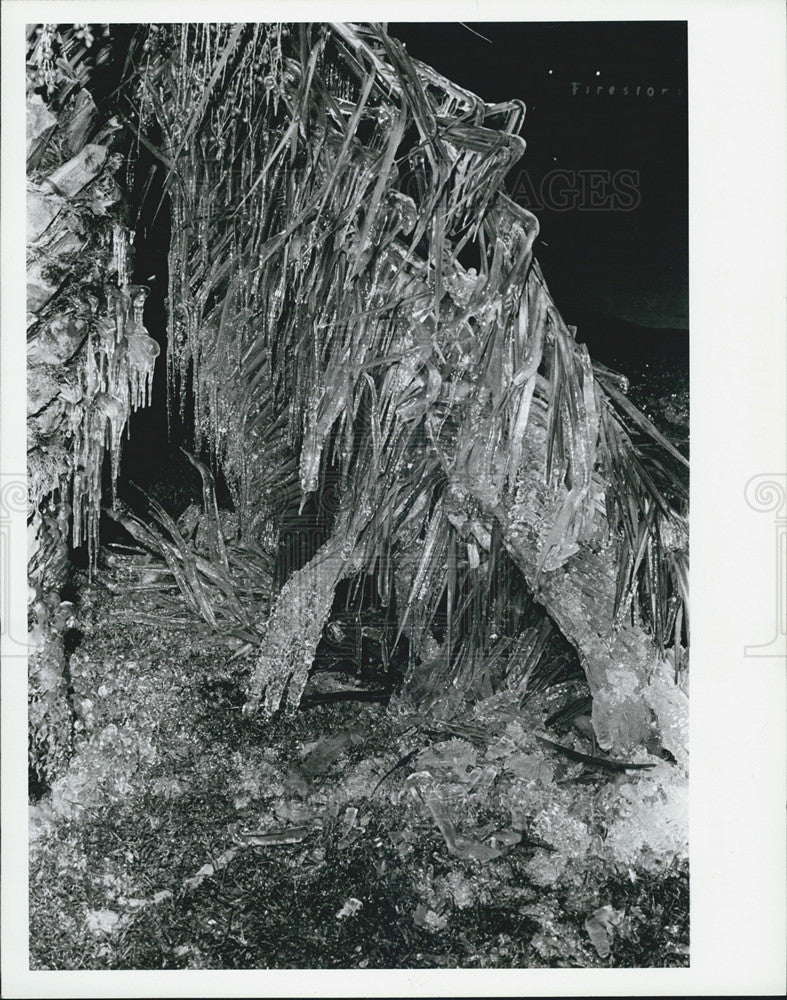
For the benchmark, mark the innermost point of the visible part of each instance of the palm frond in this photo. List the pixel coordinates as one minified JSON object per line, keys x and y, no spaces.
{"x":323,"y":184}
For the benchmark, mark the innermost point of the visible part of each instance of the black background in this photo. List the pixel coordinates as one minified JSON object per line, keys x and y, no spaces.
{"x":632,"y":265}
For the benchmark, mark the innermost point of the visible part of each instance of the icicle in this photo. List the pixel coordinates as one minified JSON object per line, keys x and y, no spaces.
{"x":120,"y":253}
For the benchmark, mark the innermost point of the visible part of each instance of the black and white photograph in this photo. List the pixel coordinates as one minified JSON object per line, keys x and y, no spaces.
{"x":358,"y":489}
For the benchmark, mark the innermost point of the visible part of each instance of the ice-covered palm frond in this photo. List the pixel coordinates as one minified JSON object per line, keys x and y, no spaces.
{"x":323,"y":185}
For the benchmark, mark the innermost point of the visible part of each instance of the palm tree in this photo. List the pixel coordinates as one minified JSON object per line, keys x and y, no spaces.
{"x":455,"y":442}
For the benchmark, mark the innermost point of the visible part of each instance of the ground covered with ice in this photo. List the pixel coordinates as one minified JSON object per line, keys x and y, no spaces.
{"x":182,"y":835}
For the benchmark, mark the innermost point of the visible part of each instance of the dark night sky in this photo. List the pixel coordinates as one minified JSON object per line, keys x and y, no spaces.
{"x":631,"y":264}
